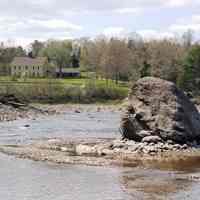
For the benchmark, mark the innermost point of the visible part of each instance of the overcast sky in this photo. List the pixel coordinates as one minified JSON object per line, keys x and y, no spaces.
{"x":25,"y":20}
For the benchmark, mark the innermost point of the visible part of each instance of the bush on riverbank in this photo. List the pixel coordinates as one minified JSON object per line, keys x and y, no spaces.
{"x":55,"y":92}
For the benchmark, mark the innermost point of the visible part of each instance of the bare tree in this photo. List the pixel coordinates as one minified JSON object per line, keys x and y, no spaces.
{"x":116,"y":59}
{"x":165,"y":57}
{"x":91,"y":54}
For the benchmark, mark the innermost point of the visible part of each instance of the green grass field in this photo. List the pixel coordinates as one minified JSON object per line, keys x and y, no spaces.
{"x":66,"y":81}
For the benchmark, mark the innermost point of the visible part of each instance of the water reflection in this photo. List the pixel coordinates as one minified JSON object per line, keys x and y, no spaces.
{"x":186,"y":164}
{"x":164,"y":180}
{"x":150,"y":184}
{"x":28,"y":180}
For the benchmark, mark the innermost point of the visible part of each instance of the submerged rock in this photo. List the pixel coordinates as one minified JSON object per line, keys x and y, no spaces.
{"x":27,"y":126}
{"x":158,"y":108}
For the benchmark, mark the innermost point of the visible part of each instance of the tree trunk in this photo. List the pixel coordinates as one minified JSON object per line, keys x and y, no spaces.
{"x":60,"y":71}
{"x":116,"y":78}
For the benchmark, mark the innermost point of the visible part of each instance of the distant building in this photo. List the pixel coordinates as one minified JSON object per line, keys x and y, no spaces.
{"x":29,"y":67}
{"x":68,"y":72}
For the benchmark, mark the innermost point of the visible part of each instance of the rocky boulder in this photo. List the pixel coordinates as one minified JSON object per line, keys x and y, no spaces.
{"x":158,"y":108}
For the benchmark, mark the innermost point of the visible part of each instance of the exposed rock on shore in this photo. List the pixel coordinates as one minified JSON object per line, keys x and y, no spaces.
{"x":11,"y":108}
{"x":11,"y":100}
{"x":102,"y":152}
{"x":159,"y":111}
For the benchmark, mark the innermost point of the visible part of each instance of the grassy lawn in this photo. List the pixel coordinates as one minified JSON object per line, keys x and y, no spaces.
{"x":69,"y":81}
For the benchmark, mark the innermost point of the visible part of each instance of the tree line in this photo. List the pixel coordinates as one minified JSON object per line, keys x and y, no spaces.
{"x":176,"y":60}
{"x":120,"y":59}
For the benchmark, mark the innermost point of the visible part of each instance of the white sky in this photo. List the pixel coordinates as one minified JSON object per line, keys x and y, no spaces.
{"x":22,"y":21}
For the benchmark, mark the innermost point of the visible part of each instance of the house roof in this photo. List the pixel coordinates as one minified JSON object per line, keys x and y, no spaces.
{"x":27,"y":61}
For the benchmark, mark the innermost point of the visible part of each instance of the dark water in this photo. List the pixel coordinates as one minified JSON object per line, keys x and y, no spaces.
{"x":28,"y":180}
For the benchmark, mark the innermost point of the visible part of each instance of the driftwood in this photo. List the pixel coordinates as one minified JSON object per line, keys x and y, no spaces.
{"x":13,"y":101}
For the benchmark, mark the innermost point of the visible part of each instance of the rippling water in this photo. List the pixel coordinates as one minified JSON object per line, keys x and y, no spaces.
{"x":93,"y":124}
{"x":28,"y":180}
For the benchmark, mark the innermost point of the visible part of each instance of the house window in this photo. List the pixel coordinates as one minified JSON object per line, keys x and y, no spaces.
{"x":38,"y":68}
{"x":33,"y":68}
{"x":26,"y":67}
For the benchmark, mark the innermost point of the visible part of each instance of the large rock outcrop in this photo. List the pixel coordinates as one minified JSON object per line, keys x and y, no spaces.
{"x":158,"y":108}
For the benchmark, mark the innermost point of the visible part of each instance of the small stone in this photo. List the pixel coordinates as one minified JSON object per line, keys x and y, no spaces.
{"x":85,"y":149}
{"x":185,"y":146}
{"x":77,"y":111}
{"x":152,"y":139}
{"x":150,"y":149}
{"x":27,"y":125}
{"x":166,"y":147}
{"x":176,"y":146}
{"x":170,"y":142}
{"x":130,"y":143}
{"x":132,"y":148}
{"x":117,"y":150}
{"x":119,"y":144}
{"x":106,"y":152}
{"x":144,"y":133}
{"x":63,"y":149}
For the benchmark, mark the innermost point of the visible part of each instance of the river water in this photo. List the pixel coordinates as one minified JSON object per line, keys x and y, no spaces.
{"x":103,"y":124}
{"x":29,"y":180}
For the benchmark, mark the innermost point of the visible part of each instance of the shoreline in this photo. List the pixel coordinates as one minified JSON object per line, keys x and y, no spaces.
{"x":32,"y":111}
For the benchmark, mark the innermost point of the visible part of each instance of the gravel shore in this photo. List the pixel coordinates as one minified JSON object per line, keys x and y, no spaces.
{"x":103,"y":152}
